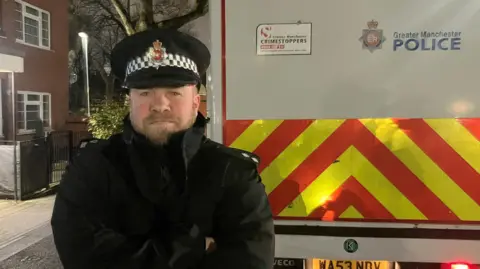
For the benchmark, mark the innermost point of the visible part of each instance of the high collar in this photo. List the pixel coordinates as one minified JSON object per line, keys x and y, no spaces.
{"x":187,"y":142}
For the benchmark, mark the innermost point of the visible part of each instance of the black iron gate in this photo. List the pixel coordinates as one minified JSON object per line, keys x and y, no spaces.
{"x":42,"y":162}
{"x":62,"y":146}
{"x":33,"y":167}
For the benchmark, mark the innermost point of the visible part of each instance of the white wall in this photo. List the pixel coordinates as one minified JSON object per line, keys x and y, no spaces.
{"x":10,"y":63}
{"x":340,"y":79}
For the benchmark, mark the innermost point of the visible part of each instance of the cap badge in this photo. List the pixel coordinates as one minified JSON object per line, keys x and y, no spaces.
{"x":157,"y":52}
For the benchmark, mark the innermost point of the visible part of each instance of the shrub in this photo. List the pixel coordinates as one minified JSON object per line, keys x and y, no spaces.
{"x":107,"y":117}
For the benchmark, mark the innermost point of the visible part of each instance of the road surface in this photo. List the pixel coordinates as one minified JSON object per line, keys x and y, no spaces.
{"x":41,"y":255}
{"x":26,"y":235}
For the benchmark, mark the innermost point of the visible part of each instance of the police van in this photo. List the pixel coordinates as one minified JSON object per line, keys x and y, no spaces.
{"x":365,"y":115}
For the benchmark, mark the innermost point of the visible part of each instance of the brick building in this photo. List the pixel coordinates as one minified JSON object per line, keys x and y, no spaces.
{"x":33,"y":45}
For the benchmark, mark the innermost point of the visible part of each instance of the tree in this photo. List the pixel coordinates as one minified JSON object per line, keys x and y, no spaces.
{"x":107,"y":22}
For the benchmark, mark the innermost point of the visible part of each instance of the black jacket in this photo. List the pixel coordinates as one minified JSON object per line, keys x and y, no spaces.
{"x":125,"y":204}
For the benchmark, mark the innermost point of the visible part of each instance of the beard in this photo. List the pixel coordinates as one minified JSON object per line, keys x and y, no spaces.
{"x":158,"y":135}
{"x":158,"y":129}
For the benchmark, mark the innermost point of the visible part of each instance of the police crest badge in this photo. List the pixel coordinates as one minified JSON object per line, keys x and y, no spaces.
{"x":157,"y":53}
{"x":372,"y":38}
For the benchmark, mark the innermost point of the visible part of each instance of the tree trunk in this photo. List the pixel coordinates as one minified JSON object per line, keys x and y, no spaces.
{"x":145,"y":19}
{"x":109,"y":87}
{"x":147,"y":8}
{"x":108,"y":79}
{"x":201,"y":8}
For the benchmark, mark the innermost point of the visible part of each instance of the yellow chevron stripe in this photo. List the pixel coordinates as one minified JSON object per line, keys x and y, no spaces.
{"x":319,"y":192}
{"x":293,"y":155}
{"x":255,"y":134}
{"x":352,"y":163}
{"x":382,"y":189}
{"x":424,"y":168}
{"x":459,"y":138}
{"x":351,"y":213}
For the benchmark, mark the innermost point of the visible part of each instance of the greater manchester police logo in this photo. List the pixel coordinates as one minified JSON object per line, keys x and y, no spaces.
{"x":156,"y":54}
{"x":372,"y":38}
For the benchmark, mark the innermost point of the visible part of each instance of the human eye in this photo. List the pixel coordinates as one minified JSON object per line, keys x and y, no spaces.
{"x":176,"y":93}
{"x":144,"y":93}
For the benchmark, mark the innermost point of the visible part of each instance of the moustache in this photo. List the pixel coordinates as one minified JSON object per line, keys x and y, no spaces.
{"x":156,"y":118}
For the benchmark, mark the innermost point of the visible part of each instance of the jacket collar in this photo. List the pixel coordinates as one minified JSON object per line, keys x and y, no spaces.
{"x":189,"y":144}
{"x":190,"y":139}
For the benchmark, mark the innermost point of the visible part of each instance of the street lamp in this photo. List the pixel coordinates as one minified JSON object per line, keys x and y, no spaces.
{"x":84,"y":38}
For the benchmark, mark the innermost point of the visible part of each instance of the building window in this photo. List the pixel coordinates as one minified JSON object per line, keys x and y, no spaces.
{"x":32,"y":106}
{"x":32,"y":25}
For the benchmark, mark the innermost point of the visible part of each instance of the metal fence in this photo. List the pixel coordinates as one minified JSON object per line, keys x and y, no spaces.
{"x":33,"y":166}
{"x":63,"y":145}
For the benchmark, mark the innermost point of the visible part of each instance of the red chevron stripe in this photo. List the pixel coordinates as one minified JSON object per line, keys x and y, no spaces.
{"x":285,"y":134}
{"x":399,"y":175}
{"x":472,"y":125}
{"x":233,"y":129}
{"x":443,"y":155}
{"x":352,"y":193}
{"x":314,"y":165}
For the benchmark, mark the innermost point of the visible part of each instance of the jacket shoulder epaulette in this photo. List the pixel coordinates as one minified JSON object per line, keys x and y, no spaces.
{"x":89,"y":142}
{"x":243,"y":154}
{"x":89,"y":153}
{"x":238,"y":154}
{"x":91,"y":145}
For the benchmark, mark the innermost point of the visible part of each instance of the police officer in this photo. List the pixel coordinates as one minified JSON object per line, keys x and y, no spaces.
{"x":158,"y":194}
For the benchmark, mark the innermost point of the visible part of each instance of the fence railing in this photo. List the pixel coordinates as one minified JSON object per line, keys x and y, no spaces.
{"x":63,"y":145}
{"x":32,"y":166}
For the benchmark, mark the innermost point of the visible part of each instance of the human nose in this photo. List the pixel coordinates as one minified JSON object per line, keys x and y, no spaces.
{"x":160,"y":102}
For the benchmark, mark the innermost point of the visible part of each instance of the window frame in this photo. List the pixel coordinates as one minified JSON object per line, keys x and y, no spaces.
{"x":40,"y":24}
{"x":26,"y":102}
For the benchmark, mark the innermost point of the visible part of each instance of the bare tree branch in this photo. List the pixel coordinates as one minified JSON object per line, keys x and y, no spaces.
{"x":105,"y":7}
{"x":122,"y":12}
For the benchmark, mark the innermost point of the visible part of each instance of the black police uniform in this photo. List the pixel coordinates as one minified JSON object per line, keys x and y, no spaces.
{"x":124,"y":203}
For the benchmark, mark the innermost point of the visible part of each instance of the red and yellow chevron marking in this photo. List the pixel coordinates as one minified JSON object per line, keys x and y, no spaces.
{"x":371,"y":169}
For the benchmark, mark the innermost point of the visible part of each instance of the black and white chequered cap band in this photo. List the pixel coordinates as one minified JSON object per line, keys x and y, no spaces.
{"x":168,"y":59}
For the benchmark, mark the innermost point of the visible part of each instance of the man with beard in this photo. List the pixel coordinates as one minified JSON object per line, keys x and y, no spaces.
{"x":160,"y":194}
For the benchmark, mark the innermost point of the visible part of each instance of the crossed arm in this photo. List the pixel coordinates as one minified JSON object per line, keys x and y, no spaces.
{"x":244,"y":238}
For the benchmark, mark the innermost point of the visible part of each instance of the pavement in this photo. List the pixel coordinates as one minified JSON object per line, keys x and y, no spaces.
{"x":26,"y":236}
{"x":41,"y":255}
